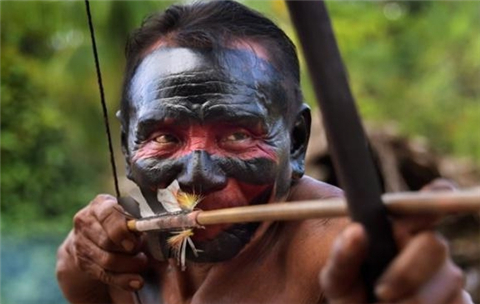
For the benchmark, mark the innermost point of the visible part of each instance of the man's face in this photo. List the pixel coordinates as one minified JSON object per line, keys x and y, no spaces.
{"x":214,"y":121}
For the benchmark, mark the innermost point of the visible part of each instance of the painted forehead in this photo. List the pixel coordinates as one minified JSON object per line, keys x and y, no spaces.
{"x":193,"y":74}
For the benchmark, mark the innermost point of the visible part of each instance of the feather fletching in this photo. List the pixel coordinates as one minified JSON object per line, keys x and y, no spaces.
{"x":178,"y":243}
{"x":188,"y":201}
{"x":173,"y":199}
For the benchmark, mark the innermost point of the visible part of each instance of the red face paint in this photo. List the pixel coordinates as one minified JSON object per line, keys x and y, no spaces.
{"x":227,"y":140}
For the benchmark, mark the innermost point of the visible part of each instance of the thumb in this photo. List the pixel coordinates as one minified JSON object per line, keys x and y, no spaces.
{"x":340,"y":279}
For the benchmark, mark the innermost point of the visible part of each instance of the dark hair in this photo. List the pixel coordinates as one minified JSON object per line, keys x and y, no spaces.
{"x":211,"y":24}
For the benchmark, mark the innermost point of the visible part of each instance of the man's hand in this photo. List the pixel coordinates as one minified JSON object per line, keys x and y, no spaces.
{"x":100,"y":248}
{"x":422,"y":273}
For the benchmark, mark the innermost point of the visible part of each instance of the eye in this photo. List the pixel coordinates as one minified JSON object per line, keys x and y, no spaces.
{"x":236,"y":140}
{"x":166,"y":139}
{"x":236,"y":136}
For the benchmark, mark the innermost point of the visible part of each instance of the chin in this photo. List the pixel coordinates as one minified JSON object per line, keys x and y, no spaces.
{"x":226,"y":245}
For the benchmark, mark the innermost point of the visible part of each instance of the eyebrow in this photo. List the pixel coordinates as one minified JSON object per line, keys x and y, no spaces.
{"x":149,"y":122}
{"x":236,"y":115}
{"x":179,"y":116}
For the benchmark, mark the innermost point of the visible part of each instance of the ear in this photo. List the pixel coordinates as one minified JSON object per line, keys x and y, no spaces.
{"x":299,"y":141}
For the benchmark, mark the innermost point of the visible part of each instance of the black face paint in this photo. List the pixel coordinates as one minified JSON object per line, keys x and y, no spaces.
{"x":216,"y":121}
{"x":208,"y":170}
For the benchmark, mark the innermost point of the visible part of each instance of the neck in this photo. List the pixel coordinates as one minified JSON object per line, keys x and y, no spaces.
{"x":191,"y":279}
{"x":199,"y":279}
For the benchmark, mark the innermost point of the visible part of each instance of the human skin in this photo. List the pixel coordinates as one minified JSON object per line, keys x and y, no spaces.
{"x":235,"y":164}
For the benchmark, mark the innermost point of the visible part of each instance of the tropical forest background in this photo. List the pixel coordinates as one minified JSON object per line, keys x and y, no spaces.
{"x":414,"y":65}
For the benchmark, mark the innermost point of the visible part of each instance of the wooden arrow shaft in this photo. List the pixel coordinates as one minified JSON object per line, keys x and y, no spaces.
{"x":405,"y":203}
{"x":397,"y":204}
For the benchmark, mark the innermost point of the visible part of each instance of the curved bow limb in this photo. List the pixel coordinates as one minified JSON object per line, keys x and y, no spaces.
{"x":346,"y":138}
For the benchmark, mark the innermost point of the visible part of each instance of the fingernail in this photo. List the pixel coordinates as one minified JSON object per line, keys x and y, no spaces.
{"x":135,"y":284}
{"x":383,"y":292}
{"x":128,"y":245}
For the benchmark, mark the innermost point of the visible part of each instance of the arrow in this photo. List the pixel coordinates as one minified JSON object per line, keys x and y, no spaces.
{"x":400,"y":204}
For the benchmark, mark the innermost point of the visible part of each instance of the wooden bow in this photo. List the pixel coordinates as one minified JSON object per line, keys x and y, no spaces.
{"x":346,"y":138}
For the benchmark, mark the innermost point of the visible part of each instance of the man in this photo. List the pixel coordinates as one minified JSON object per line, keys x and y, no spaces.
{"x":211,"y":100}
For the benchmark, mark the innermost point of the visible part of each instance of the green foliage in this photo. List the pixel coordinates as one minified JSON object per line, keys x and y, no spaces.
{"x":417,"y":64}
{"x":44,"y":177}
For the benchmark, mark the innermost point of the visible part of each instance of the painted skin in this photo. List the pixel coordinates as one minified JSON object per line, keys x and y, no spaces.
{"x":219,"y":131}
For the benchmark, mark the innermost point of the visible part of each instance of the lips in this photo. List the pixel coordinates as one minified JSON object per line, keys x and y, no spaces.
{"x":227,"y":199}
{"x":222,"y":200}
{"x":214,"y":202}
{"x":222,"y":242}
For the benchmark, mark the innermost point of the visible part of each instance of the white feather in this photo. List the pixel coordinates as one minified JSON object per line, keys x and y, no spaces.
{"x":167,"y":197}
{"x":192,"y":245}
{"x":145,"y":210}
{"x":183,"y":256}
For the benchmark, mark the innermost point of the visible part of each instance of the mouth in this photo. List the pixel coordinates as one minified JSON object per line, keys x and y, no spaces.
{"x":217,"y":201}
{"x":235,"y":194}
{"x":221,"y":242}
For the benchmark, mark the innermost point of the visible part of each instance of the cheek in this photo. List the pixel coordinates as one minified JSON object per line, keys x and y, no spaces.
{"x":253,"y":171}
{"x":154,"y":173}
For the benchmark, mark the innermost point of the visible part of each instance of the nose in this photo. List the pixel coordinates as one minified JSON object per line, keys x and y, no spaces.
{"x":201,"y":174}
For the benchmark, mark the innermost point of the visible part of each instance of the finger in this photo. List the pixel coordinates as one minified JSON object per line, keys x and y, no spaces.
{"x":86,"y":224}
{"x":463,"y":298}
{"x":415,"y":265}
{"x":126,"y":281}
{"x":406,"y":227}
{"x":96,"y":233}
{"x":90,"y":253}
{"x":340,"y":276}
{"x":113,"y":220}
{"x":445,"y":287}
{"x":440,"y":184}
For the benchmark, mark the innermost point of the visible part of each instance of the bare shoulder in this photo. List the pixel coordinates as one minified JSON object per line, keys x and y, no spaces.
{"x":308,"y":188}
{"x":310,"y":240}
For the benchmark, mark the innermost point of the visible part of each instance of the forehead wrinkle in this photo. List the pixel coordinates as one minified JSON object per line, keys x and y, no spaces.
{"x":163,"y":111}
{"x":201,"y":78}
{"x":244,"y":109}
{"x":185,"y":100}
{"x":181,"y":107}
{"x":210,"y":85}
{"x":192,"y":75}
